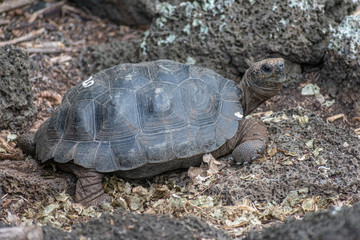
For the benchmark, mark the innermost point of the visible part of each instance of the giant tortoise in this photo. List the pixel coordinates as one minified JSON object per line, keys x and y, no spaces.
{"x":140,"y":120}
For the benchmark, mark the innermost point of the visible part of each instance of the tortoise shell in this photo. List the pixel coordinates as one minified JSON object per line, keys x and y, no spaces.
{"x":133,"y":115}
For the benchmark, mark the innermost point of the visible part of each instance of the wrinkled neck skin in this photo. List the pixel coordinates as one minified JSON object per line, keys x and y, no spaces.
{"x":253,"y":96}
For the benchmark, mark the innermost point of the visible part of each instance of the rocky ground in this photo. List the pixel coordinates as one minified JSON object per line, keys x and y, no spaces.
{"x":124,"y":225}
{"x":311,"y":163}
{"x":336,"y":223}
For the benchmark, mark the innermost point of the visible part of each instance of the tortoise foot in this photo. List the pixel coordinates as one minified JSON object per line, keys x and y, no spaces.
{"x":248,"y":151}
{"x":253,"y":143}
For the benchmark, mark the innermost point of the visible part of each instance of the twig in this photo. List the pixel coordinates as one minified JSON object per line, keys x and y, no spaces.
{"x":4,"y":22}
{"x":49,"y":50}
{"x":60,"y":59}
{"x":26,"y":37}
{"x":13,"y":4}
{"x":47,"y":47}
{"x":357,"y":131}
{"x":79,"y":12}
{"x":240,"y":224}
{"x":335,"y":117}
{"x":207,"y":188}
{"x":45,"y":11}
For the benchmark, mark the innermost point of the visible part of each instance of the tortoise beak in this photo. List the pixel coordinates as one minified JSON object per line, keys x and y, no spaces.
{"x":280,"y":66}
{"x":279,"y":76}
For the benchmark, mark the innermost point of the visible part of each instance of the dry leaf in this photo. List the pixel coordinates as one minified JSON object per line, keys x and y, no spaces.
{"x":271,"y":152}
{"x":335,"y":117}
{"x":293,"y":154}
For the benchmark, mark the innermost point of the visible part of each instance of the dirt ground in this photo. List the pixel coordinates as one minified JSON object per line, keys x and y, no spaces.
{"x":336,"y":223}
{"x":311,"y":163}
{"x":126,"y":225}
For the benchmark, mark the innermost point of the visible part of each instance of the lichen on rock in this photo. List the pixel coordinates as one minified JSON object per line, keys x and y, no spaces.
{"x":346,"y":38}
{"x":341,"y":72}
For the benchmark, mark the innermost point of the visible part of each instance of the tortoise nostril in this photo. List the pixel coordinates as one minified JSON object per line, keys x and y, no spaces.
{"x":281,"y":66}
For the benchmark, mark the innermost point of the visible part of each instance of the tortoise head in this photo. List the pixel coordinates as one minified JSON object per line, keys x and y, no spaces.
{"x":267,"y":75}
{"x":26,"y":143}
{"x":262,"y":81}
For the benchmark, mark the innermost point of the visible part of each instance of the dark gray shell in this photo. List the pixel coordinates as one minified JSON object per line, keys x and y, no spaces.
{"x":132,"y":115}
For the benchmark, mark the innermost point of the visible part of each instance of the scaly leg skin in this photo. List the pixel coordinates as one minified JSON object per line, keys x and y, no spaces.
{"x":253,"y":141}
{"x":89,"y":189}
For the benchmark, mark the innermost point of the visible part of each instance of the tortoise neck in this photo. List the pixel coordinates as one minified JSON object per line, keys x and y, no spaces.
{"x":253,"y":96}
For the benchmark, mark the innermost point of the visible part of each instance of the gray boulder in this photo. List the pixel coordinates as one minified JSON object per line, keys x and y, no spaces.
{"x":18,"y":111}
{"x":341,"y":72}
{"x":228,"y":36}
{"x":126,"y":12}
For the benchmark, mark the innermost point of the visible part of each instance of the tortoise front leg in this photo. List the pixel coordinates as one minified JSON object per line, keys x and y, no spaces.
{"x":253,"y":135}
{"x":89,"y":189}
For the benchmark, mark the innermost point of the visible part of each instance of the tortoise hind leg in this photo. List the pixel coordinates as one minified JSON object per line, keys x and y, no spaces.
{"x":89,"y":189}
{"x":253,"y":141}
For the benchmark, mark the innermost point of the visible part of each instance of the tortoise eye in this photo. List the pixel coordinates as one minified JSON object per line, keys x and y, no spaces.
{"x":266,"y":69}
